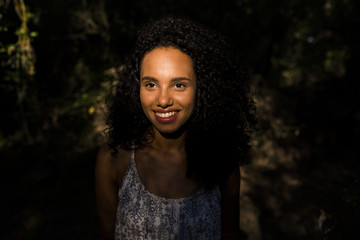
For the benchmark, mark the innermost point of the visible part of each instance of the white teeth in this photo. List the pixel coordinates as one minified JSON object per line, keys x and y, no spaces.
{"x":166,"y":115}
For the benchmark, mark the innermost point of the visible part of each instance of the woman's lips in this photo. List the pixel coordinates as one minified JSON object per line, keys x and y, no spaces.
{"x":165,"y":117}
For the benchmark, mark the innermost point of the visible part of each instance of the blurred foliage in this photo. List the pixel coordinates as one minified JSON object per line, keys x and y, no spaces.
{"x":58,"y":60}
{"x":18,"y":60}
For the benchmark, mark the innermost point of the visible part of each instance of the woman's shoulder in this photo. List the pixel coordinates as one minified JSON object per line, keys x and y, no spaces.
{"x":113,"y":165}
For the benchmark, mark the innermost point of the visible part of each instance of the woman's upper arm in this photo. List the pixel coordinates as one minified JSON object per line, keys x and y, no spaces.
{"x":230,"y":192}
{"x":106,"y":188}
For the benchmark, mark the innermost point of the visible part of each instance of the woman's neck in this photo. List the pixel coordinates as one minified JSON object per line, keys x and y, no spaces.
{"x":168,"y":142}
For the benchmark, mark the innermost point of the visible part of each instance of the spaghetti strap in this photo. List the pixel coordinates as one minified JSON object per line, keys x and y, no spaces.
{"x":132,"y":154}
{"x":128,"y":172}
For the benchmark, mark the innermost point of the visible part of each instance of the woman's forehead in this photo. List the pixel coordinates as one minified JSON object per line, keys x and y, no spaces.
{"x":167,"y":61}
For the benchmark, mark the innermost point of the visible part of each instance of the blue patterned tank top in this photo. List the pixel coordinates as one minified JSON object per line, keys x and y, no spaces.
{"x":144,"y":215}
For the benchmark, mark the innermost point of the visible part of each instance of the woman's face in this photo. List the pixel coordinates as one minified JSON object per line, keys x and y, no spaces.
{"x":167,"y":88}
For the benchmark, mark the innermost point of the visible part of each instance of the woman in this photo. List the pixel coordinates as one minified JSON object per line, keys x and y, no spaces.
{"x":177,"y":132}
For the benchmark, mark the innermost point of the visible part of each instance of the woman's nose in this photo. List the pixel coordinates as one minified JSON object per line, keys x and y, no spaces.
{"x":165,"y":98}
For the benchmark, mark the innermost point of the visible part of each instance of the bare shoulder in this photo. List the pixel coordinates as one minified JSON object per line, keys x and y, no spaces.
{"x":114,"y":167}
{"x":109,"y":172}
{"x":232,"y":185}
{"x":230,"y":191}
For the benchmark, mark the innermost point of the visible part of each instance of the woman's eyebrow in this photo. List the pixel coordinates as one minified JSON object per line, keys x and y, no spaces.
{"x":172,"y":80}
{"x":149,"y":78}
{"x":180,"y":79}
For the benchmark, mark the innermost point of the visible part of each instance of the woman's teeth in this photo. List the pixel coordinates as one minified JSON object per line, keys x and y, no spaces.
{"x":165,"y":115}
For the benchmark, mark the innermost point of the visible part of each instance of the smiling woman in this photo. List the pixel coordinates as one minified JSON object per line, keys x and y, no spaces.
{"x":178,"y":123}
{"x":167,"y":90}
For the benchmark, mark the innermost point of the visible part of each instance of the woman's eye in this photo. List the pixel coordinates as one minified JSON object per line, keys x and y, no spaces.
{"x":150,"y":85}
{"x":179,"y":85}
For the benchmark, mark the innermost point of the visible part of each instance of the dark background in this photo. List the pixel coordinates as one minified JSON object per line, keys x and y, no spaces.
{"x":58,"y":60}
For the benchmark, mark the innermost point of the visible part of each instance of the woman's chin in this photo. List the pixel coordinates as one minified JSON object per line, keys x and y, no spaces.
{"x":170,"y":132}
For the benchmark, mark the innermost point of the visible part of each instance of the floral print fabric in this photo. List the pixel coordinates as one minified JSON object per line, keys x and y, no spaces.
{"x":143,"y":215}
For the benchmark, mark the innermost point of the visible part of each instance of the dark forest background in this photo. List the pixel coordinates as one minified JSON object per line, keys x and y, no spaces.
{"x":59,"y":58}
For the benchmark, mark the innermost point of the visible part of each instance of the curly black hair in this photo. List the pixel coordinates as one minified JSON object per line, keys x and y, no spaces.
{"x":217,"y":139}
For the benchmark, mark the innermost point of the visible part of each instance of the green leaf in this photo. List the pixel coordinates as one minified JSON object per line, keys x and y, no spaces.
{"x":34,"y":34}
